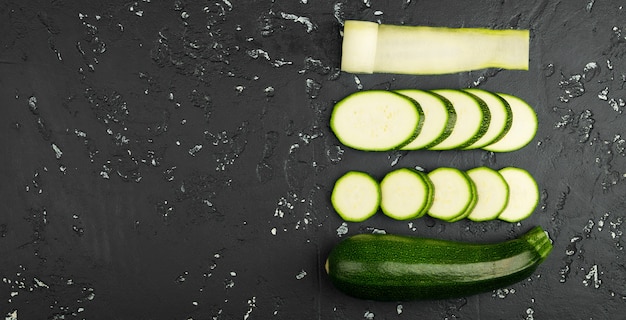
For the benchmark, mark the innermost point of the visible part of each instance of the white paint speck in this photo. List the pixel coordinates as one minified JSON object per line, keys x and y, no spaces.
{"x":40,"y":283}
{"x":592,"y":277}
{"x":195,"y":149}
{"x":301,"y":275}
{"x":11,"y":315}
{"x":342,"y":229}
{"x":251,"y":307}
{"x":303,"y":20}
{"x":57,"y":151}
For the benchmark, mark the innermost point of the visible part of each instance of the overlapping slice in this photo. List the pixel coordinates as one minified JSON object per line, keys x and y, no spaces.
{"x":523,"y":126}
{"x":523,"y":194}
{"x":454,"y":194}
{"x":500,"y":121}
{"x":472,"y":119}
{"x":376,"y":120}
{"x":440,"y":114}
{"x":406,"y":194}
{"x":441,"y":119}
{"x":492,"y":193}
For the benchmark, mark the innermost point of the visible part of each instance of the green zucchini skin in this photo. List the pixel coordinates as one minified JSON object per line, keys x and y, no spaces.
{"x":388,"y":267}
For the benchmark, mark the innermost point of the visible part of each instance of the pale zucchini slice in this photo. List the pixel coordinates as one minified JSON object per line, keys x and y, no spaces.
{"x":359,"y":46}
{"x":472,"y":119}
{"x":501,"y":117}
{"x":454,"y":194}
{"x":523,"y":126}
{"x":430,"y":50}
{"x":405,"y":194}
{"x":376,"y":120}
{"x":439,"y":118}
{"x":492,"y":193}
{"x":523,"y":194}
{"x":356,"y":196}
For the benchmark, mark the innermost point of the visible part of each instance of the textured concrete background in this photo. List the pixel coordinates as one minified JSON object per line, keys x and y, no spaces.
{"x":172,"y":159}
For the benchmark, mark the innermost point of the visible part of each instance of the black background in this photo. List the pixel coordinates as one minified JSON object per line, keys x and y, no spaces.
{"x":172,"y":159}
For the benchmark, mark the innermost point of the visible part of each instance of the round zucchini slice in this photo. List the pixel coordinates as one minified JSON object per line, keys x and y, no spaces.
{"x":501,"y":117}
{"x":439,"y":118}
{"x":523,"y":126}
{"x":406,"y":194}
{"x":356,"y":196}
{"x":472,"y":119}
{"x":376,"y":120}
{"x":454,"y":194}
{"x":523,"y":194}
{"x":492,"y":193}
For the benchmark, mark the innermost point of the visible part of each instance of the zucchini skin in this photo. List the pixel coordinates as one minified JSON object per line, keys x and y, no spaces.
{"x":388,"y":267}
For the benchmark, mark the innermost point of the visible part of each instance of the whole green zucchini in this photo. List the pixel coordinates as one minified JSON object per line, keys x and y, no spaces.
{"x":398,"y":268}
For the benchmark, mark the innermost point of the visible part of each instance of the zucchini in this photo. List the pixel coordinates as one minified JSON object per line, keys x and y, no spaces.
{"x":473,"y":119}
{"x":368,"y":47}
{"x":405,"y":194}
{"x":356,"y":196}
{"x":388,"y":267}
{"x":376,"y":120}
{"x":492,"y":193}
{"x":523,"y":194}
{"x":440,"y":114}
{"x":523,"y":126}
{"x":454,"y":194}
{"x":500,"y":120}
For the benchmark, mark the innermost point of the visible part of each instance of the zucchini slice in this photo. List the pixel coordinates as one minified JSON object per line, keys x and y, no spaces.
{"x":376,"y":120}
{"x":523,"y":126}
{"x":406,"y":194}
{"x":371,"y":48}
{"x":472,"y":119}
{"x":389,"y":267}
{"x":358,"y":46}
{"x":492,"y":193}
{"x":356,"y":196}
{"x":454,"y":194}
{"x":523,"y":194}
{"x":500,"y":121}
{"x":439,"y":118}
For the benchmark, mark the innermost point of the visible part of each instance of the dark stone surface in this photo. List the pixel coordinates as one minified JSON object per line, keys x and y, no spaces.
{"x":172,"y":159}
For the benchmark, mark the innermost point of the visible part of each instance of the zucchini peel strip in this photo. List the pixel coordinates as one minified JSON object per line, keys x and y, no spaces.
{"x":369,"y":47}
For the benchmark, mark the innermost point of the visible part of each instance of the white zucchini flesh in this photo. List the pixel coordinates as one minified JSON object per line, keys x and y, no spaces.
{"x":358,"y":46}
{"x":492,"y":193}
{"x":430,"y":50}
{"x":472,"y":119}
{"x":454,"y":194}
{"x":376,"y":120}
{"x":523,"y":194}
{"x":523,"y":126}
{"x":439,"y":118}
{"x":500,"y":121}
{"x":405,"y":194}
{"x":356,"y":196}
